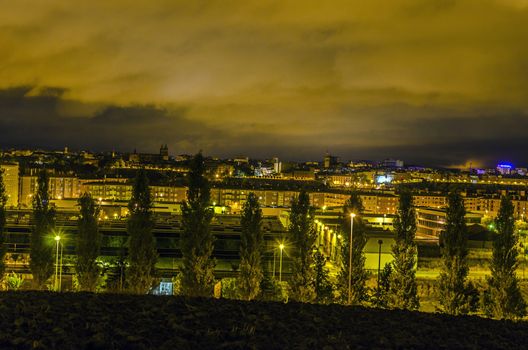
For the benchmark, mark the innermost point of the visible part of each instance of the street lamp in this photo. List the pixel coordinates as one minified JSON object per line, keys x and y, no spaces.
{"x":60,"y":266}
{"x":281,"y":247}
{"x":57,"y":240}
{"x":274,"y":255}
{"x":333,"y":243}
{"x":380,"y":242}
{"x":352,"y":215}
{"x":317,"y":231}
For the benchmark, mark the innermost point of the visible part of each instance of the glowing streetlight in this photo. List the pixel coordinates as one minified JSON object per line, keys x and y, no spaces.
{"x":57,"y":240}
{"x":281,"y":247}
{"x":352,"y":215}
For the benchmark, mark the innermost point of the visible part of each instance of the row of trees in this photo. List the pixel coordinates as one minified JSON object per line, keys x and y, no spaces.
{"x":3,"y":202}
{"x":197,"y":239}
{"x":397,"y":287}
{"x":142,"y":254}
{"x":501,"y":297}
{"x":310,"y":281}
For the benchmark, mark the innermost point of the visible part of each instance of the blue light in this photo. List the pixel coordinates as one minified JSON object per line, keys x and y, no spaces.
{"x":381,"y":179}
{"x":505,"y":166}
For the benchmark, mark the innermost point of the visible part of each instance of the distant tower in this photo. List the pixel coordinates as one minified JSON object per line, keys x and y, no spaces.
{"x":326,"y":160}
{"x":164,"y":152}
{"x":277,"y":165}
{"x":329,"y":160}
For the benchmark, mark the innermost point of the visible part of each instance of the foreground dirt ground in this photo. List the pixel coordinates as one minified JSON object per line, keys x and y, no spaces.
{"x":105,"y":321}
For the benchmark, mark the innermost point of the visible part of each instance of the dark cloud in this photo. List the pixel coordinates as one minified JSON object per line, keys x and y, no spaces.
{"x":30,"y":120}
{"x":427,"y":135}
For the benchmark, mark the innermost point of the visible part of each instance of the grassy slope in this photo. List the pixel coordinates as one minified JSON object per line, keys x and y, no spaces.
{"x":105,"y":321}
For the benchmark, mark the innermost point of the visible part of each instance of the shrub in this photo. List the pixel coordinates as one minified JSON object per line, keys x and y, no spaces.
{"x":14,"y":281}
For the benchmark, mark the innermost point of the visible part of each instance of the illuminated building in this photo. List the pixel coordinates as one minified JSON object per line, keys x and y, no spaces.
{"x":167,"y":230}
{"x":392,"y":163}
{"x":162,"y":156}
{"x":431,"y":221}
{"x":504,"y":168}
{"x":277,"y":166}
{"x":164,"y":152}
{"x":384,"y":178}
{"x":10,"y":176}
{"x":60,"y":187}
{"x":303,"y":174}
{"x":329,"y":161}
{"x":432,"y":201}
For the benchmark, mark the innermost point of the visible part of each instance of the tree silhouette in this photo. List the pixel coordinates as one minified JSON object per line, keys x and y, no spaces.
{"x":88,"y":244}
{"x":142,"y":254}
{"x":197,"y":275}
{"x":251,"y":241}
{"x":42,"y":243}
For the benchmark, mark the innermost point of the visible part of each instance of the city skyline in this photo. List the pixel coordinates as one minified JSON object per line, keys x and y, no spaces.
{"x":469,"y":165}
{"x":273,"y":174}
{"x":432,"y":83}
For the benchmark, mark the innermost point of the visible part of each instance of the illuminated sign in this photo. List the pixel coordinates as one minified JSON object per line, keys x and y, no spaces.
{"x":382,"y":179}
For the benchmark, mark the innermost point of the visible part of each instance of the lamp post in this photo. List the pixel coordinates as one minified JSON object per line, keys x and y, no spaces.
{"x":60,"y":267}
{"x":274,"y":255}
{"x":281,"y":247}
{"x":524,"y":262}
{"x":334,"y":244}
{"x":317,"y":230}
{"x":57,"y":240}
{"x":380,"y":242}
{"x":350,"y":258}
{"x":523,"y":252}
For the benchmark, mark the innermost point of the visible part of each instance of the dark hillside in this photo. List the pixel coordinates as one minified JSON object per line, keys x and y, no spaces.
{"x":105,"y":321}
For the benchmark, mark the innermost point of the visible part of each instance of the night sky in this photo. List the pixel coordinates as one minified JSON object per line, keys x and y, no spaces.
{"x":438,"y":82}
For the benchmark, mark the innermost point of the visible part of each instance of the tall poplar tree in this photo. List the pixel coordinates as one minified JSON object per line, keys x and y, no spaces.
{"x":251,"y":244}
{"x":197,"y":274}
{"x":452,"y":287}
{"x":358,"y":291}
{"x":323,"y":288}
{"x":88,"y":244}
{"x":3,"y":202}
{"x":503,"y":297}
{"x":403,"y":289}
{"x":142,"y":254}
{"x":41,"y":261}
{"x":381,"y":298}
{"x":302,"y":236}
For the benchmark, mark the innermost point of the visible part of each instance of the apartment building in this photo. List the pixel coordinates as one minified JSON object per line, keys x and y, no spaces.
{"x":10,"y":176}
{"x":431,"y":221}
{"x":61,"y":187}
